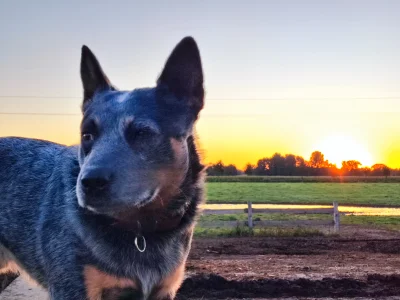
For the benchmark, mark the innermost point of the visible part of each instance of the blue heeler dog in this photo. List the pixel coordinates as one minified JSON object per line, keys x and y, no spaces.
{"x":113,"y":217}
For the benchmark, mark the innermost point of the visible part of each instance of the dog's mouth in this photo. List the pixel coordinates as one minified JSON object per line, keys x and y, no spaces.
{"x":144,"y":198}
{"x":147,"y":197}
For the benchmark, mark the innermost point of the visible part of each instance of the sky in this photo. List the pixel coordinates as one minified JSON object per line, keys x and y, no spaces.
{"x":280,"y":76}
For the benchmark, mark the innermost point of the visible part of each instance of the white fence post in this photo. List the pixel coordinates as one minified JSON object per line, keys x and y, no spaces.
{"x":336,"y":217}
{"x":249,"y":215}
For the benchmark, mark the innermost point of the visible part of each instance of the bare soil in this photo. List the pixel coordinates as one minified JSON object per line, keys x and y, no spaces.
{"x":361,"y":262}
{"x":5,"y":280}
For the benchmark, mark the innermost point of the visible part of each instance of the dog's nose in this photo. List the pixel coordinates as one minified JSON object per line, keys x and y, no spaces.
{"x":96,"y":180}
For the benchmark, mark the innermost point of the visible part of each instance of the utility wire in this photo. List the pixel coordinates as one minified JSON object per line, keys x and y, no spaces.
{"x":222,"y":99}
{"x":207,"y":99}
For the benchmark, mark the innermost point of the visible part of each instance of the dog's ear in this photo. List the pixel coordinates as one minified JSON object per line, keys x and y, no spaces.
{"x":183,"y":74}
{"x":92,"y":75}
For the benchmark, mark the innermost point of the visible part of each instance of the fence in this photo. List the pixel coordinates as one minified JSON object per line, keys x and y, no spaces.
{"x":251,"y":223}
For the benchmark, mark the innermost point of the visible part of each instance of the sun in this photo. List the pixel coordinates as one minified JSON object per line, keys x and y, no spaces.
{"x":337,"y":148}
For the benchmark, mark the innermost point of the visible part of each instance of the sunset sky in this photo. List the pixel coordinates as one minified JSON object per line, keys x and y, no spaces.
{"x":281,"y":76}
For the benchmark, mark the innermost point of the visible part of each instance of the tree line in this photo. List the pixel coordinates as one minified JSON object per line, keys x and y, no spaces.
{"x":294,"y":165}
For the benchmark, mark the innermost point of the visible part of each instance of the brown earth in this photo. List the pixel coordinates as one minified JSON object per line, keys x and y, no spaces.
{"x":361,"y":262}
{"x":5,"y":280}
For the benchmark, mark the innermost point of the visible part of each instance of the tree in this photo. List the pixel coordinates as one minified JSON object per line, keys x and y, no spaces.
{"x":219,"y":168}
{"x":365,"y":171}
{"x":249,"y":170}
{"x":300,"y":162}
{"x":230,"y":170}
{"x":317,"y":160}
{"x":333,"y":170}
{"x":216,"y":169}
{"x":301,"y":166}
{"x":350,"y":167}
{"x":386,"y":171}
{"x":263,"y":167}
{"x":277,"y":164}
{"x":290,"y":164}
{"x":395,"y":172}
{"x":380,"y":170}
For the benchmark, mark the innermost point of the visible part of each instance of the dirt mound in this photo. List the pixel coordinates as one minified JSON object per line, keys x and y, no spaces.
{"x":290,"y":246}
{"x":212,"y":286}
{"x":390,"y":247}
{"x":5,"y":280}
{"x":317,"y":267}
{"x":356,"y":264}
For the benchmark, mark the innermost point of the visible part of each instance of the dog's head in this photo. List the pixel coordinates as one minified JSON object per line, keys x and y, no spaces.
{"x":135,"y":144}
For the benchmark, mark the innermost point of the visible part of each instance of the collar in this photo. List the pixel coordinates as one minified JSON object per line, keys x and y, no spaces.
{"x":146,"y":222}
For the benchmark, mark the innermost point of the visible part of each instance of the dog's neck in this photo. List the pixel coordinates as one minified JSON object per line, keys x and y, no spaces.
{"x":157,"y":216}
{"x":142,"y":222}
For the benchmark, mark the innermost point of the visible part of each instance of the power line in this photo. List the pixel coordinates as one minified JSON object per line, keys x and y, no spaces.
{"x":207,"y":99}
{"x":75,"y":115}
{"x":39,"y":97}
{"x":206,"y":115}
{"x":223,"y":99}
{"x":38,"y":114}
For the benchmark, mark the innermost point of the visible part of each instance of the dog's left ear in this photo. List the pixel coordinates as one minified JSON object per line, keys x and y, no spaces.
{"x":183,"y":74}
{"x":92,"y":75}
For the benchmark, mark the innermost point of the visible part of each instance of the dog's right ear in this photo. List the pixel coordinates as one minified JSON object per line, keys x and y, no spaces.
{"x":92,"y":75}
{"x":183,"y":74}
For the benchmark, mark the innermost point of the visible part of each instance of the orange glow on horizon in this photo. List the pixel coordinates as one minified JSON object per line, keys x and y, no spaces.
{"x":239,"y":133}
{"x":338,"y":148}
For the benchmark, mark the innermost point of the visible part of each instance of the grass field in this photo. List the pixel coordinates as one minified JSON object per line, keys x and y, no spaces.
{"x":379,"y":194}
{"x":386,"y":222}
{"x":363,"y":191}
{"x":337,"y":179}
{"x":245,"y":231}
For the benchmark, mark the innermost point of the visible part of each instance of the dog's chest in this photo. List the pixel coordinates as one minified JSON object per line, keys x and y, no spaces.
{"x":103,"y":286}
{"x":120,"y":294}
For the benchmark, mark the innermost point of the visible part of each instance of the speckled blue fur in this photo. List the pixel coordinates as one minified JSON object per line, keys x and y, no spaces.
{"x":52,"y":236}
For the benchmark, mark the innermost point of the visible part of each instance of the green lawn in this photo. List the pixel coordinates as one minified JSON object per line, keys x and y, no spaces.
{"x":265,"y":217}
{"x":304,"y":193}
{"x":338,"y":179}
{"x":386,"y":222}
{"x":244,"y":231}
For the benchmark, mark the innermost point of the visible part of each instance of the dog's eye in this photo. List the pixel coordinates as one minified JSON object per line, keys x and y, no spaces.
{"x":143,"y":132}
{"x":89,"y":131}
{"x":87,"y":137}
{"x":142,"y":135}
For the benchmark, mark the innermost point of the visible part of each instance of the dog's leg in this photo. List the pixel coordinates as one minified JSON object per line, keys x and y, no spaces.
{"x":3,"y":258}
{"x":171,"y":284}
{"x":67,"y":290}
{"x":102,"y":286}
{"x":7,"y":261}
{"x":66,"y":283}
{"x":9,"y":264}
{"x":95,"y":285}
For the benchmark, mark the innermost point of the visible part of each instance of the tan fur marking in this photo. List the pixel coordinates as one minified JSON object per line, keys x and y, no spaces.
{"x":176,"y":173}
{"x":7,"y":261}
{"x":171,"y":178}
{"x":170,"y":285}
{"x":96,"y":281}
{"x":9,"y":264}
{"x":177,"y":147}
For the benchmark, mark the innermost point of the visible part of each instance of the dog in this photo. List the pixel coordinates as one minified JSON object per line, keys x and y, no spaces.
{"x":112,"y":217}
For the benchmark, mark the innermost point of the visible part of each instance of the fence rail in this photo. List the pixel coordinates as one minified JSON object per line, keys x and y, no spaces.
{"x":251,"y":223}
